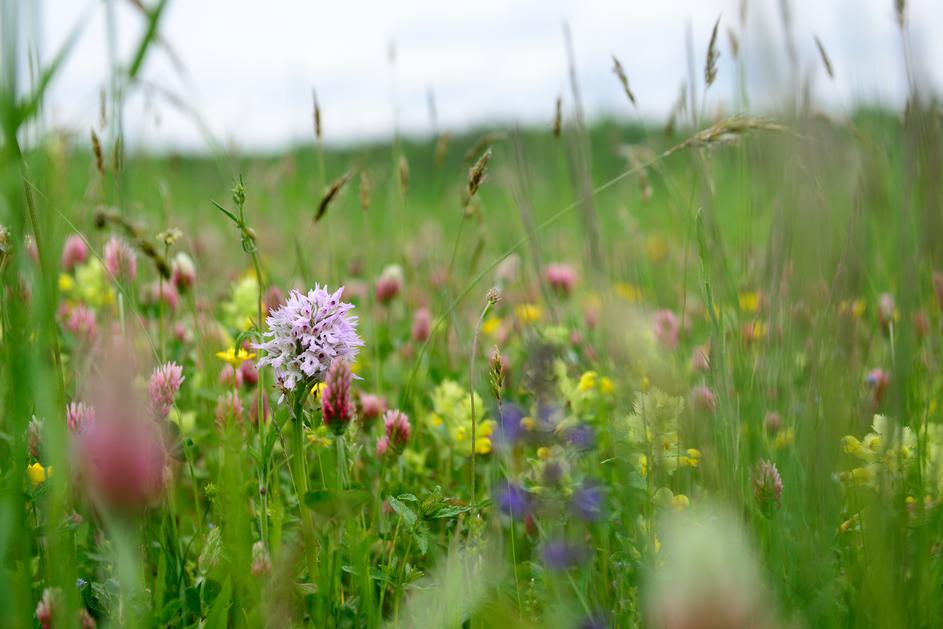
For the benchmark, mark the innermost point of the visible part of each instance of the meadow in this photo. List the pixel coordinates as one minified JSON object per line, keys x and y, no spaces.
{"x":587,"y":374}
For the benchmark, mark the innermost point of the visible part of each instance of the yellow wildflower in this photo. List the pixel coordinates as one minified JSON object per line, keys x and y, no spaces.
{"x":784,"y":438}
{"x":319,"y":437}
{"x":606,"y":385}
{"x":750,"y":301}
{"x":528,"y":313}
{"x":854,"y":308}
{"x":66,"y":283}
{"x":543,"y":453}
{"x":528,"y":423}
{"x":656,"y":248}
{"x":587,"y":381}
{"x":491,"y":325}
{"x":233,"y":357}
{"x":629,"y":292}
{"x":38,"y":474}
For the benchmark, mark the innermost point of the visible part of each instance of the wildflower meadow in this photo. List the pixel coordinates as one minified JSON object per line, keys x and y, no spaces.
{"x":609,"y":372}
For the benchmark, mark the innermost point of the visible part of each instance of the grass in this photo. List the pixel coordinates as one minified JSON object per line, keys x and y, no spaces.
{"x":727,"y":409}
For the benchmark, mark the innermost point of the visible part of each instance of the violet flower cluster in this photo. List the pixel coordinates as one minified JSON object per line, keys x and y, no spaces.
{"x":306,"y":334}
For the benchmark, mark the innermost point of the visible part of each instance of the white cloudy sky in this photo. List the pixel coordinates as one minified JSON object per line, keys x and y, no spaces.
{"x":250,"y":65}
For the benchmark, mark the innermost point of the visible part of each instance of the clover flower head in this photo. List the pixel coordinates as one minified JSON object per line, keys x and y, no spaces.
{"x":306,"y":334}
{"x":163,"y":386}
{"x":79,"y":416}
{"x":120,"y":259}
{"x":398,"y":428}
{"x":336,"y":407}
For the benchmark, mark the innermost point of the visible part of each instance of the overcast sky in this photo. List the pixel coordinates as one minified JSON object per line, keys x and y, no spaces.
{"x":248,"y":66}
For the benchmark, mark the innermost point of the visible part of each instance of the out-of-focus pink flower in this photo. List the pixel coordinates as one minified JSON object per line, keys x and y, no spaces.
{"x":422,"y":325}
{"x":182,"y":272}
{"x":161,"y":291}
{"x":229,"y":409}
{"x":249,"y":373}
{"x":878,"y":380}
{"x":123,"y":462}
{"x":79,"y":416}
{"x":438,"y":277}
{"x":703,"y":400}
{"x":74,"y":252}
{"x":274,"y":297}
{"x":80,"y":321}
{"x":700,"y":359}
{"x":261,"y":561}
{"x":47,"y":606}
{"x":120,"y":259}
{"x":398,"y":429}
{"x":383,"y":446}
{"x":336,"y":409}
{"x":921,"y":323}
{"x":507,"y":270}
{"x":163,"y":387}
{"x":887,"y":309}
{"x":226,"y":375}
{"x":772,"y":422}
{"x":561,"y":278}
{"x":390,"y":284}
{"x":667,"y":328}
{"x":371,"y":406}
{"x":254,"y":408}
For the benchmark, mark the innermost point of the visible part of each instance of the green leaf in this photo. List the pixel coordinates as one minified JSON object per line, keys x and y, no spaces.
{"x":219,"y":612}
{"x":231,"y":216}
{"x":450,"y":511}
{"x":421,"y":535}
{"x":408,"y":515}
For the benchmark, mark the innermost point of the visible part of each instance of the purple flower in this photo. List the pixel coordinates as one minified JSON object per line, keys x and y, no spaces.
{"x":582,"y":437}
{"x":306,"y":334}
{"x":587,"y":501}
{"x":560,"y":555}
{"x":509,"y":422}
{"x":513,"y":500}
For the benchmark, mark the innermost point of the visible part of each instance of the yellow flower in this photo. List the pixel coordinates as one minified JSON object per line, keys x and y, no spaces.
{"x":784,"y":438}
{"x":233,"y":357}
{"x":587,"y":381}
{"x":543,"y":453}
{"x":37,"y":474}
{"x":680,"y":502}
{"x":491,"y":325}
{"x":435,"y":420}
{"x":528,"y":313}
{"x":528,"y":423}
{"x":606,"y":385}
{"x":629,"y":292}
{"x":319,"y":437}
{"x":656,"y":248}
{"x":691,"y":458}
{"x":855,"y":308}
{"x":66,"y":283}
{"x":750,"y":301}
{"x":643,"y":465}
{"x":645,"y":385}
{"x":317,"y":389}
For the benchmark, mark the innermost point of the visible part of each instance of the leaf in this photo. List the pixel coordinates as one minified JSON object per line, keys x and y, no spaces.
{"x":231,"y":216}
{"x":408,"y":497}
{"x":450,"y":511}
{"x":408,"y":515}
{"x":421,"y":535}
{"x":147,"y":39}
{"x":218,"y":615}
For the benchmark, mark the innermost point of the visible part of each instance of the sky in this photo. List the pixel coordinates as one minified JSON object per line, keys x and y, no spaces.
{"x":248,"y":67}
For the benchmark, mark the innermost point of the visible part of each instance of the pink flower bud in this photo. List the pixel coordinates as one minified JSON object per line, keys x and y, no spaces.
{"x":371,"y":406}
{"x":398,"y":429}
{"x":390,"y":284}
{"x":561,"y":278}
{"x":74,"y":252}
{"x":163,"y":387}
{"x":183,"y":272}
{"x":249,"y":373}
{"x":667,"y":328}
{"x":336,"y":409}
{"x":703,"y":400}
{"x":422,"y":325}
{"x":79,"y":416}
{"x":120,"y":259}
